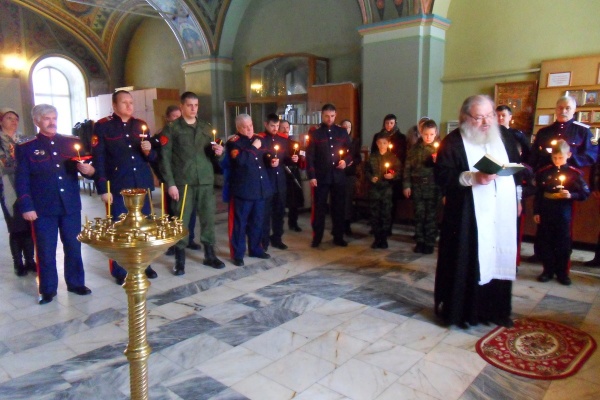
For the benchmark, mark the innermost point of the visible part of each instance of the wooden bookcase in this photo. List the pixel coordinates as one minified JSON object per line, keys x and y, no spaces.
{"x":584,"y":75}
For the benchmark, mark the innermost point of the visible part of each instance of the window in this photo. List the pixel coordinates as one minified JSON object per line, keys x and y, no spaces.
{"x":59,"y":82}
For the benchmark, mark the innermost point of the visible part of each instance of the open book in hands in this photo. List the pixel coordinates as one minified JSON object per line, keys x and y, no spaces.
{"x":490,"y":165}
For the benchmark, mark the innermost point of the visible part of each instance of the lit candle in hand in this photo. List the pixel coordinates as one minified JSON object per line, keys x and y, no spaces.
{"x":306,"y":140}
{"x":341,"y":154}
{"x":436,"y":145}
{"x":562,"y":181}
{"x":276,"y":150}
{"x":143,"y":135}
{"x":77,"y":147}
{"x":214,"y":132}
{"x":295,"y":148}
{"x":387,"y":166}
{"x":390,"y":146}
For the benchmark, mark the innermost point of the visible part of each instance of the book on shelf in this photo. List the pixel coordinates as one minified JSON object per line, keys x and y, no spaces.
{"x":489,"y":165}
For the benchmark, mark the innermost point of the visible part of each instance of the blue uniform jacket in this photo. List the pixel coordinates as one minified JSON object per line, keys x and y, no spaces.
{"x":277,"y":174}
{"x":46,"y":178}
{"x":118,"y":156}
{"x":323,"y":154}
{"x":548,"y":181}
{"x":577,"y":135}
{"x":248,"y":179}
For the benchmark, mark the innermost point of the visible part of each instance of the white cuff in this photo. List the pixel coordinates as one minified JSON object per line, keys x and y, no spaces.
{"x":466,"y":178}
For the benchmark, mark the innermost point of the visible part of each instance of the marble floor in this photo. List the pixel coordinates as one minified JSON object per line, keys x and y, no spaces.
{"x":308,"y":324}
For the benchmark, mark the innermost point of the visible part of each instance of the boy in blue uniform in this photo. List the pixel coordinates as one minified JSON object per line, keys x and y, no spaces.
{"x":48,"y":196}
{"x":419,"y":182}
{"x":381,"y":171}
{"x":558,"y":185}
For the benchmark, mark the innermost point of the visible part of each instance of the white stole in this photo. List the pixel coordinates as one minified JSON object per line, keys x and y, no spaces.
{"x":496,"y":215}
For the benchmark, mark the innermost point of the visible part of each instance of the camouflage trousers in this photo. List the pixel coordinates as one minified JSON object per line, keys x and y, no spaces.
{"x":380,"y":204}
{"x":426,"y":205}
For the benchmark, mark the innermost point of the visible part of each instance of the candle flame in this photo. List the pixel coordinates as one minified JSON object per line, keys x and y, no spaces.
{"x":214,"y":131}
{"x":387,"y":164}
{"x":276,"y":147}
{"x":390,"y":146}
{"x":436,"y":145}
{"x":562,"y":178}
{"x":296,"y":146}
{"x":553,"y":143}
{"x":77,"y":147}
{"x":144,"y":127}
{"x":341,"y":152}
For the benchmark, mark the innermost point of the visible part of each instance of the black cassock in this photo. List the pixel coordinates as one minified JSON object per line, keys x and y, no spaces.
{"x":459,"y":298}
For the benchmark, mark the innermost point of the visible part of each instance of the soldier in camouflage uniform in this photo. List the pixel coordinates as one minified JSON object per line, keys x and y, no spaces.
{"x":186,"y":159}
{"x":420,"y":185}
{"x":382,"y":171}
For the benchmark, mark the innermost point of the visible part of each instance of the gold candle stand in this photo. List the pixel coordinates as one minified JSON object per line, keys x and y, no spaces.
{"x":134,"y":241}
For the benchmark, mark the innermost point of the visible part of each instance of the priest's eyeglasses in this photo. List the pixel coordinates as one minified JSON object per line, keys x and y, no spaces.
{"x":480,"y":118}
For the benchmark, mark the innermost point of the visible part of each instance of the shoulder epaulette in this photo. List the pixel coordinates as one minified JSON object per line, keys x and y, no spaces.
{"x":27,"y":140}
{"x":581,"y":124}
{"x":105,"y":119}
{"x":234,"y":138}
{"x":580,"y":172}
{"x":549,"y":166}
{"x":261,"y":135}
{"x":68,"y":136}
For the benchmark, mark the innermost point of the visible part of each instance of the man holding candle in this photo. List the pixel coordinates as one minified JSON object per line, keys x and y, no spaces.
{"x":325,"y":169}
{"x":557,"y":186}
{"x":277,"y":146}
{"x":295,"y":195}
{"x":186,"y":159}
{"x":47,"y":188}
{"x":121,"y":154}
{"x":250,"y":186}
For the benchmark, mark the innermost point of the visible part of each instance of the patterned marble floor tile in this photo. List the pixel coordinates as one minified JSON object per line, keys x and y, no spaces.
{"x":300,"y":303}
{"x":29,"y":340}
{"x":386,"y":315}
{"x":558,"y":309}
{"x":436,"y":380}
{"x":195,"y":350}
{"x":194,"y":385}
{"x":88,"y":391}
{"x":103,"y":317}
{"x":456,"y":358}
{"x":225,"y":312}
{"x":341,"y":309}
{"x":298,"y":370}
{"x":276,"y":343}
{"x":417,"y":335}
{"x":94,"y":338}
{"x":229,"y":394}
{"x":335,"y":346}
{"x":177,"y":331}
{"x":366,"y":328}
{"x":63,"y":314}
{"x":359,"y":380}
{"x":390,"y":356}
{"x":320,"y":392}
{"x":258,"y":387}
{"x":36,"y":358}
{"x":234,"y":365}
{"x":493,"y":384}
{"x":398,"y":391}
{"x":217,"y":295}
{"x":462,"y":340}
{"x":248,"y":284}
{"x":67,"y":328}
{"x":33,"y":385}
{"x":311,"y":324}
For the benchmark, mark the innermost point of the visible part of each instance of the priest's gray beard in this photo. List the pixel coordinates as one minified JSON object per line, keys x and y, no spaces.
{"x":475,"y":136}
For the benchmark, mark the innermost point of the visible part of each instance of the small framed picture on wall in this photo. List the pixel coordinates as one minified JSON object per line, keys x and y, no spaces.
{"x":591,"y":97}
{"x":584,"y":116}
{"x":596,"y":117}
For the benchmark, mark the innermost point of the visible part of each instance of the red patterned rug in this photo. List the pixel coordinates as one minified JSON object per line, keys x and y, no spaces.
{"x":537,"y":349}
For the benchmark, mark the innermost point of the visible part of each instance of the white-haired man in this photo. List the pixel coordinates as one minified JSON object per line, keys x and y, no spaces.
{"x":477,"y":250}
{"x":48,"y":196}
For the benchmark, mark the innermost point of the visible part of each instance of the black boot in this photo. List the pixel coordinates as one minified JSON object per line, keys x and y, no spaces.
{"x":28,"y":250}
{"x":594,"y":262}
{"x":383,"y":244}
{"x":377,"y":241}
{"x":15,"y":250}
{"x":347,"y":229}
{"x":179,"y":268}
{"x":210,"y":259}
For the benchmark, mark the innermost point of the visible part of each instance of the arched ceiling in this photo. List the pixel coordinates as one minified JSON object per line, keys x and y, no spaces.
{"x":202,"y":27}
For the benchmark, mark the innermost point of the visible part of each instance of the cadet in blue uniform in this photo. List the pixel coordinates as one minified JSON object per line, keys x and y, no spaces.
{"x":249,"y":186}
{"x":557,"y":186}
{"x":121,"y":155}
{"x":275,"y":205}
{"x":295,"y":196}
{"x":326,"y":158}
{"x":48,"y":195}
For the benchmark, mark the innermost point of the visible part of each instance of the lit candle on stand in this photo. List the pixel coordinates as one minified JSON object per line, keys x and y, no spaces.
{"x":77,"y":147}
{"x":109,"y":197}
{"x":151,"y":205}
{"x":162,"y":199}
{"x":183,"y":205}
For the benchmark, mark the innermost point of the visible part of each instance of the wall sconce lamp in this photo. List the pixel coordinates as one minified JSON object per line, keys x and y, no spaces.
{"x":256,"y":87}
{"x":15,"y":63}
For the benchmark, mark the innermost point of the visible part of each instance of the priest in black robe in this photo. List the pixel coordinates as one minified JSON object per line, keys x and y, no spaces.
{"x":478,"y":241}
